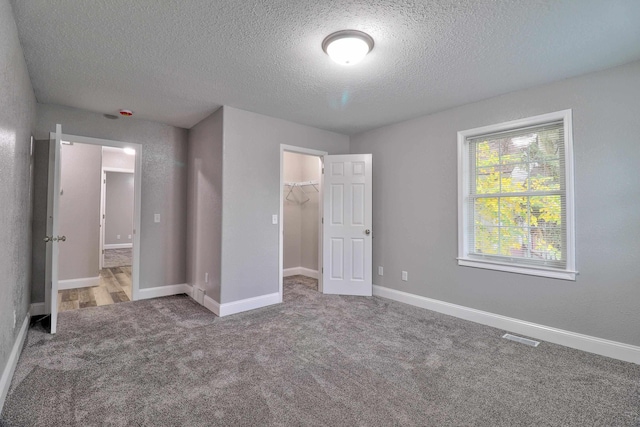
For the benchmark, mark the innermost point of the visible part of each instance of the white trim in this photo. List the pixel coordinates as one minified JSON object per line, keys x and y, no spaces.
{"x":295,"y":271}
{"x":569,"y":273}
{"x":118,"y":245}
{"x":212,"y":305}
{"x":209,"y":303}
{"x":12,"y":362}
{"x":519,"y":268}
{"x":320,"y":155}
{"x":164,"y":291}
{"x":249,"y":304}
{"x":613,"y":349}
{"x":122,"y":170}
{"x":38,"y":309}
{"x":83,"y":282}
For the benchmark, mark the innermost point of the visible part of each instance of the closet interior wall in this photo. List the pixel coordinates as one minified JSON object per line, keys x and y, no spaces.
{"x":301,"y":215}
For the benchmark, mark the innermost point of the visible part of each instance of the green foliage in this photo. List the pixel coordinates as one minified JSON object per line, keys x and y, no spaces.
{"x":521,"y":220}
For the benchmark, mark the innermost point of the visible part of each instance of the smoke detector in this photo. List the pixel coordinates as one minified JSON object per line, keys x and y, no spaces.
{"x":126,"y":113}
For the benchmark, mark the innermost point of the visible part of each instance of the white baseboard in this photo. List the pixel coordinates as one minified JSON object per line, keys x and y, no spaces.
{"x":212,"y":305}
{"x":295,"y":271}
{"x":83,"y":282}
{"x":603,"y":347}
{"x":164,"y":291}
{"x":209,"y":303}
{"x":117,"y":246}
{"x":248,"y":304}
{"x":38,"y":309}
{"x":10,"y":367}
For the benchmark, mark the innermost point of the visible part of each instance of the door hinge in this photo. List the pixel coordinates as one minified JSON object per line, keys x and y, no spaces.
{"x":322,"y":220}
{"x":103,"y":252}
{"x":322,"y":270}
{"x":104,"y":181}
{"x":102,"y":216}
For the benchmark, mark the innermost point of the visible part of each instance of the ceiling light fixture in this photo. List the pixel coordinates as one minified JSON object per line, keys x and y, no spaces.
{"x":347,"y":47}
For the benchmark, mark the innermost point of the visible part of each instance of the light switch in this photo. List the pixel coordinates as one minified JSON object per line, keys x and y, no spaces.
{"x":274,"y":219}
{"x":156,"y":217}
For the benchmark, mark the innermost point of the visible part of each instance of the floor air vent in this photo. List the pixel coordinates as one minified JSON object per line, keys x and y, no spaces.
{"x":521,"y":340}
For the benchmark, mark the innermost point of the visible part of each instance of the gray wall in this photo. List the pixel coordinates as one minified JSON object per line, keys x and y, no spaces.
{"x":251,"y":194}
{"x":164,"y":183}
{"x":300,"y":227}
{"x":118,"y":208}
{"x":17,"y":116}
{"x":204,"y":226}
{"x":415,"y":208}
{"x":79,"y":211}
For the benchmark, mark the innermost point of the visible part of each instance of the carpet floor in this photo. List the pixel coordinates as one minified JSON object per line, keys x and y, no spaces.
{"x":315,"y":360}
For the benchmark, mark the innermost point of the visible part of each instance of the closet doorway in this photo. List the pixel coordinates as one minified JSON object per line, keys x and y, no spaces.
{"x":301,"y":214}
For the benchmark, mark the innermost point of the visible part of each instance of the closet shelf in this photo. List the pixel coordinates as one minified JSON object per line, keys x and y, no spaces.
{"x":291,"y":196}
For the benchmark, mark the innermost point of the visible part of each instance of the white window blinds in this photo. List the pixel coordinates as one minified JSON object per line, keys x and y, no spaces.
{"x":515,"y":196}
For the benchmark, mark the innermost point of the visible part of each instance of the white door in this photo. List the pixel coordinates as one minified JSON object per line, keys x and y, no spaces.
{"x":52,"y":238}
{"x":347,"y":225}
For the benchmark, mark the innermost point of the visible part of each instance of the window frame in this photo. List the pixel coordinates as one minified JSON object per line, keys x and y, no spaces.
{"x":464,"y":191}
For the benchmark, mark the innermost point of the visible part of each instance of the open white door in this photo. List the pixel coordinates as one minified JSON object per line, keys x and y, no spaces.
{"x":347,"y":225}
{"x":52,"y":238}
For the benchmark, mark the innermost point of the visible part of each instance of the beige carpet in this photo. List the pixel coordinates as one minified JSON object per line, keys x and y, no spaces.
{"x":314,"y":360}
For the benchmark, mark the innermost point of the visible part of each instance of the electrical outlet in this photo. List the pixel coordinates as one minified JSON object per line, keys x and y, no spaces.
{"x":129,"y":236}
{"x":405,"y":276}
{"x":156,"y":217}
{"x":380,"y":270}
{"x":206,"y":277}
{"x":117,"y":237}
{"x":274,"y":219}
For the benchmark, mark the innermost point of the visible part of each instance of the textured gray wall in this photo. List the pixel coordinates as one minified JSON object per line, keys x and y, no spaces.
{"x":204,"y":225}
{"x":164,"y":183}
{"x":17,"y":116}
{"x":251,"y":194}
{"x":415,"y":208}
{"x":79,"y":211}
{"x":118,"y":208}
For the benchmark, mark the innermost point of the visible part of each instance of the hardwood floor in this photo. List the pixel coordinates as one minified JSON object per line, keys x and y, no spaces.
{"x":114,"y":287}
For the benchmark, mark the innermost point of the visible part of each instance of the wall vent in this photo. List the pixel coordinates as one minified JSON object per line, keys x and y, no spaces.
{"x":521,"y":340}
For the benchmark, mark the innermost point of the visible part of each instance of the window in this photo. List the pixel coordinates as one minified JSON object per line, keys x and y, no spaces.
{"x":515,"y":206}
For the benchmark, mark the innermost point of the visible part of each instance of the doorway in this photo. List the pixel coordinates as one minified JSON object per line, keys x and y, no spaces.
{"x":77,"y":274}
{"x":301,"y":204}
{"x":301,"y":219}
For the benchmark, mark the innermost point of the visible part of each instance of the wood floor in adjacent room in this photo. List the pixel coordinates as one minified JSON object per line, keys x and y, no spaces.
{"x":114,"y":287}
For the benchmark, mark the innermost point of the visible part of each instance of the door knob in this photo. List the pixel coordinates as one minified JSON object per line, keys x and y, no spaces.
{"x":62,"y":238}
{"x":47,"y":239}
{"x":367,"y":232}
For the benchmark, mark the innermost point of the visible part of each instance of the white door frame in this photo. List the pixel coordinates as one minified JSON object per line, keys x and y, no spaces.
{"x":310,"y":152}
{"x":137,"y":191}
{"x":103,"y":204}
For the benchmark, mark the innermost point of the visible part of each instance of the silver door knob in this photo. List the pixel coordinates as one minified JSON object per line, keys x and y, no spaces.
{"x":47,"y":239}
{"x":62,"y":238}
{"x":367,"y":232}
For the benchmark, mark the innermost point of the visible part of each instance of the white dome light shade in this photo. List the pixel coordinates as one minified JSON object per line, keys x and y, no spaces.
{"x":347,"y":47}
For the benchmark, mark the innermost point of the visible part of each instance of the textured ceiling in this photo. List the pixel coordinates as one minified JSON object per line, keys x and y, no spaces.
{"x":175,"y":61}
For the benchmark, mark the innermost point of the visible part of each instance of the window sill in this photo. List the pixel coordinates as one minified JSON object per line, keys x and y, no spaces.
{"x":510,"y":268}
